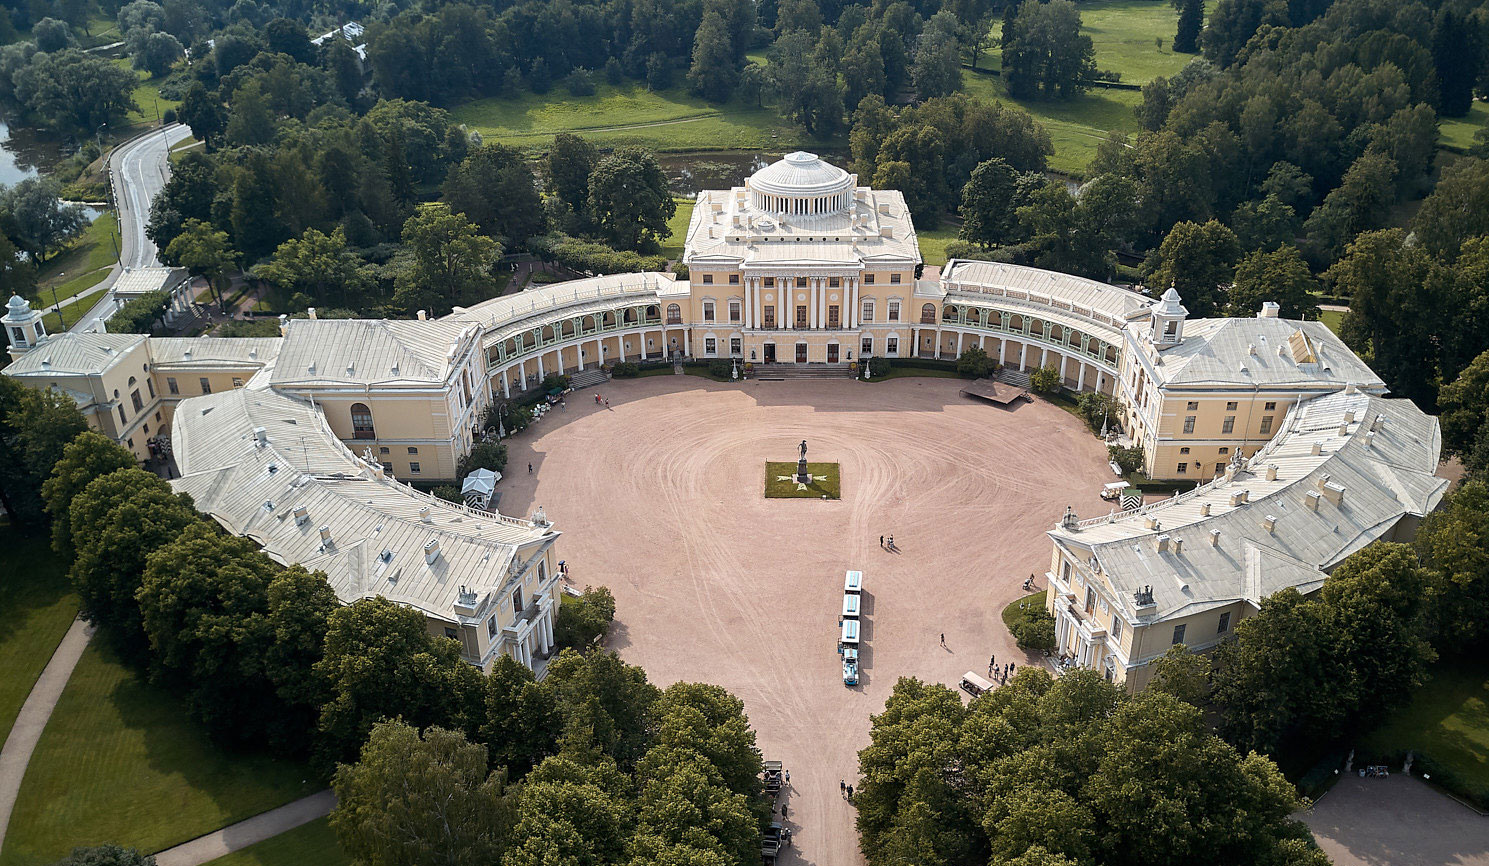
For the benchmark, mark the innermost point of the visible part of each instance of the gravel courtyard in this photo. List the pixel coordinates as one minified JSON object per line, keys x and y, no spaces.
{"x":660,"y":498}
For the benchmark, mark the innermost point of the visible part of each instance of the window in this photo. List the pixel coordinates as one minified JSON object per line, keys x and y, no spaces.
{"x":157,"y":417}
{"x":362,"y":422}
{"x":868,"y":279}
{"x":1270,"y":406}
{"x":206,"y":385}
{"x":385,"y":450}
{"x":801,"y":282}
{"x":710,"y":346}
{"x":1179,"y":633}
{"x":708,"y":311}
{"x":491,"y":626}
{"x":1090,"y":599}
{"x":122,"y":419}
{"x":833,"y":316}
{"x":413,"y":450}
{"x":894,"y":279}
{"x":413,"y":467}
{"x":388,"y":468}
{"x":146,"y":429}
{"x":770,"y":282}
{"x":708,"y":279}
{"x":735,"y":308}
{"x":237,"y":382}
{"x":734,"y":279}
{"x":801,"y":315}
{"x":1183,"y":468}
{"x":1229,"y":425}
{"x":171,"y":386}
{"x":517,"y":600}
{"x":450,"y":633}
{"x":150,"y":386}
{"x":136,"y":401}
{"x":1192,"y":406}
{"x":894,"y":311}
{"x":866,"y":348}
{"x":1184,"y":450}
{"x":130,"y":443}
{"x":1224,"y":450}
{"x":892,"y":346}
{"x":674,"y":314}
{"x":1224,"y":623}
{"x":1065,"y":571}
{"x":770,"y":316}
{"x":1116,"y":630}
{"x":734,"y":346}
{"x":1231,"y":406}
{"x":834,"y":282}
{"x":868,"y":310}
{"x":1188,"y":423}
{"x":928,"y":314}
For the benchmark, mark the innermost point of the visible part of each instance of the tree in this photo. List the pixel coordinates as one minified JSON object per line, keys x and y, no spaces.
{"x":321,"y":267}
{"x":37,"y":220}
{"x":806,"y":92}
{"x":203,"y":250}
{"x":157,"y":53}
{"x":106,"y":855}
{"x":630,"y":199}
{"x":581,"y":620}
{"x":568,"y":165}
{"x":285,"y":36}
{"x":520,"y":722}
{"x":141,"y":14}
{"x":414,"y":800}
{"x":300,"y":606}
{"x":1199,"y":261}
{"x":205,"y":114}
{"x":937,"y":68}
{"x":1045,"y":380}
{"x":1045,"y":55}
{"x":52,"y":35}
{"x":1457,"y":209}
{"x":715,"y":70}
{"x":1360,"y":202}
{"x":1454,"y":543}
{"x":1280,"y":276}
{"x":447,"y":259}
{"x":381,"y":662}
{"x":988,"y":203}
{"x":495,"y":189}
{"x":863,"y":67}
{"x":1181,"y":673}
{"x":75,"y":90}
{"x":605,"y":705}
{"x":1463,"y":407}
{"x":1191,"y":20}
{"x":484,"y":455}
{"x":1455,"y":55}
{"x":89,"y":455}
{"x":117,"y":521}
{"x":1076,"y":235}
{"x":17,"y":275}
{"x":35,"y":428}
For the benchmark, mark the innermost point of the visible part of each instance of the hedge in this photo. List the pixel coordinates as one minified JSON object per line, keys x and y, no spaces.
{"x":592,"y":257}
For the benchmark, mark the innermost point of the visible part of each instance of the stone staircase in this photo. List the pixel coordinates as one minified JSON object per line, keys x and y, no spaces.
{"x":802,"y":371}
{"x":587,"y":379}
{"x":1012,"y":377}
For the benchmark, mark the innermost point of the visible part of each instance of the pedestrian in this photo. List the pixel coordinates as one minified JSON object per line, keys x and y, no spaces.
{"x":597,"y":398}
{"x":783,"y":810}
{"x":943,"y":638}
{"x":991,"y":663}
{"x":842,"y":787}
{"x":1010,"y":668}
{"x":787,"y":774}
{"x":881,"y":541}
{"x":607,"y":402}
{"x":850,"y":793}
{"x":891,"y":542}
{"x":529,"y":469}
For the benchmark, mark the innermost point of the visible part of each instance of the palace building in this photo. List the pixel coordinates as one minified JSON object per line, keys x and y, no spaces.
{"x":308,"y":442}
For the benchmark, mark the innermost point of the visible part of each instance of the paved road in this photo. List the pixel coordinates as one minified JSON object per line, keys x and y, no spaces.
{"x":32,"y":719}
{"x":139,"y":169}
{"x":1397,"y":821}
{"x":263,"y":826}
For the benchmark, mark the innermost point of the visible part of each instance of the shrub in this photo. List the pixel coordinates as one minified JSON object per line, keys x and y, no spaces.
{"x":975,"y":364}
{"x":719,"y":368}
{"x":1129,"y":460}
{"x":249,"y":328}
{"x":1045,"y":380}
{"x":168,"y":116}
{"x":626,"y":370}
{"x":1032,"y":627}
{"x":139,"y":315}
{"x":592,"y":257}
{"x":680,"y":271}
{"x":581,"y":82}
{"x":581,"y":620}
{"x":449,"y":493}
{"x":878,"y":366}
{"x":614,"y":72}
{"x":1095,"y":406}
{"x":555,"y":382}
{"x":484,"y":455}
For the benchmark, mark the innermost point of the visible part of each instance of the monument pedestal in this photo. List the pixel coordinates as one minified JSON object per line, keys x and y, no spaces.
{"x":802,"y":476}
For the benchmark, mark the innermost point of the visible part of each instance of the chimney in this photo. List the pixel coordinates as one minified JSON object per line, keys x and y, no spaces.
{"x":284,"y":322}
{"x":1214,"y":538}
{"x":302,"y":515}
{"x":261,"y":435}
{"x":1351,"y":388}
{"x":1343,"y":430}
{"x":423,"y":514}
{"x":1370,"y":439}
{"x":1349,"y":416}
{"x":326,"y":536}
{"x":1311,"y":499}
{"x":1269,"y":310}
{"x":1376,"y":423}
{"x":1163,"y":543}
{"x":1204,"y":510}
{"x":1334,"y":493}
{"x":1237,"y":498}
{"x":1271,"y":473}
{"x":431,"y":550}
{"x":1317,"y":450}
{"x":1321,"y":481}
{"x":1150,"y":522}
{"x":1178,"y":546}
{"x":1230,"y":472}
{"x":310,"y":311}
{"x":1269,"y":524}
{"x":1251,"y":348}
{"x":423,"y":315}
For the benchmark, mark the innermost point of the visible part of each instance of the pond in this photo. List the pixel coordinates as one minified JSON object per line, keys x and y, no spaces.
{"x":23,"y":153}
{"x":723,"y":169}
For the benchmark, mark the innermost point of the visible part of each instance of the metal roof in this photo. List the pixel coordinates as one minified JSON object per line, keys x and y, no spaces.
{"x":74,"y":354}
{"x":1259,"y":351}
{"x":338,"y":352}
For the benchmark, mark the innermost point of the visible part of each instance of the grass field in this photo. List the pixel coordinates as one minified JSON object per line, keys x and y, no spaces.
{"x":1076,"y":126}
{"x":672,"y":245}
{"x":313,"y":844}
{"x":933,"y":241}
{"x":84,"y":265}
{"x":1133,"y":37}
{"x":669,"y":120}
{"x":826,"y":481}
{"x":77,"y":309}
{"x":1332,"y":318}
{"x":121,"y":762}
{"x":1458,"y":132}
{"x":1447,"y":721}
{"x":150,"y":105}
{"x":36,"y":608}
{"x":913,"y":372}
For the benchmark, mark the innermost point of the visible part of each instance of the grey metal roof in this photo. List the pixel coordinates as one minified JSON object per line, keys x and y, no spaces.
{"x":1377,"y":454}
{"x":1107,"y":304}
{"x":1247,"y":352}
{"x":213,"y":351}
{"x":74,"y":354}
{"x":338,"y":352}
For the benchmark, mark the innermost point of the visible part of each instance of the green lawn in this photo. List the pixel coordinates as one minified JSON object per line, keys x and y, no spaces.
{"x":1015,"y":609}
{"x":1332,"y":318}
{"x":933,"y":241}
{"x":913,"y":372}
{"x":1458,"y":132}
{"x":1446,"y":722}
{"x":827,"y":480}
{"x":670,"y":120}
{"x":36,"y":609}
{"x":84,"y":265}
{"x":121,"y":762}
{"x":678,"y":225}
{"x":1076,"y":126}
{"x":148,"y":101}
{"x":76,"y":310}
{"x":1126,"y":35}
{"x":313,"y":844}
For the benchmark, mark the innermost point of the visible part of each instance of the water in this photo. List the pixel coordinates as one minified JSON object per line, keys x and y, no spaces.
{"x":24,"y":154}
{"x":723,"y":169}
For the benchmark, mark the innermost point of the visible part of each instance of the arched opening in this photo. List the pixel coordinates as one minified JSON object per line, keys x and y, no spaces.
{"x":928,"y":314}
{"x":362,"y":422}
{"x":948,"y":313}
{"x":674,"y":314}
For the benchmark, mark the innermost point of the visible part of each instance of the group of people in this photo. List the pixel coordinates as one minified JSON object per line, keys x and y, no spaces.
{"x":887,"y":542}
{"x":1029,"y":583}
{"x":1002,"y":674}
{"x":845,"y":789}
{"x":601,"y":400}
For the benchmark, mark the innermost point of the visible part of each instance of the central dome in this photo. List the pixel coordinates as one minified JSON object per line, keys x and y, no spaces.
{"x":801,"y":184}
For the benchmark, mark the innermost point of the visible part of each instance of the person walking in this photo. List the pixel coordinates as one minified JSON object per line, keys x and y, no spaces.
{"x":529,"y":469}
{"x":1010,"y":668}
{"x":850,"y":793}
{"x":991,"y":663}
{"x":787,"y":774}
{"x":842,"y":787}
{"x":943,"y":638}
{"x":891,"y":542}
{"x":881,"y":541}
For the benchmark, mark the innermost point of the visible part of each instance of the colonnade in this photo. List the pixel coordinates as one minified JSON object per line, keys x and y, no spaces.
{"x":818,"y":290}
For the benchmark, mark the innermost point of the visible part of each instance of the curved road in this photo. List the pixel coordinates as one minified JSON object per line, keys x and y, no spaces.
{"x":138,"y":170}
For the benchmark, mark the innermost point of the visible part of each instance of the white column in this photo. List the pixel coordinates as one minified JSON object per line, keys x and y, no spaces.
{"x":687,"y":349}
{"x":1100,"y":380}
{"x":749,"y":307}
{"x":541,"y":371}
{"x":522,"y":371}
{"x":822,"y":302}
{"x":560,"y":359}
{"x":1023,"y":353}
{"x":811,"y":301}
{"x":1002,"y":344}
{"x":960,"y":336}
{"x":506,"y":384}
{"x":938,"y":342}
{"x":1044,"y":358}
{"x":760,"y":302}
{"x":1080,"y":377}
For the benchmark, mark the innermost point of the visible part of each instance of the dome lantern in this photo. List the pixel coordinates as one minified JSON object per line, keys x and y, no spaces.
{"x":801,"y":185}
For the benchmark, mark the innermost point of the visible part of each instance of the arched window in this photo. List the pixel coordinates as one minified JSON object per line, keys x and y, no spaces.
{"x":928,"y":314}
{"x":948,"y":313}
{"x":674,"y":314}
{"x":362,"y":422}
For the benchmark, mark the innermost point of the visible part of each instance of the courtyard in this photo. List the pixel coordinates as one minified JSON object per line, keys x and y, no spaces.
{"x":660,"y":499}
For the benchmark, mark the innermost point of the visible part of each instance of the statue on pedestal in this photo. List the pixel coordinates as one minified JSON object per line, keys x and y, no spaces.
{"x":802,"y":476}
